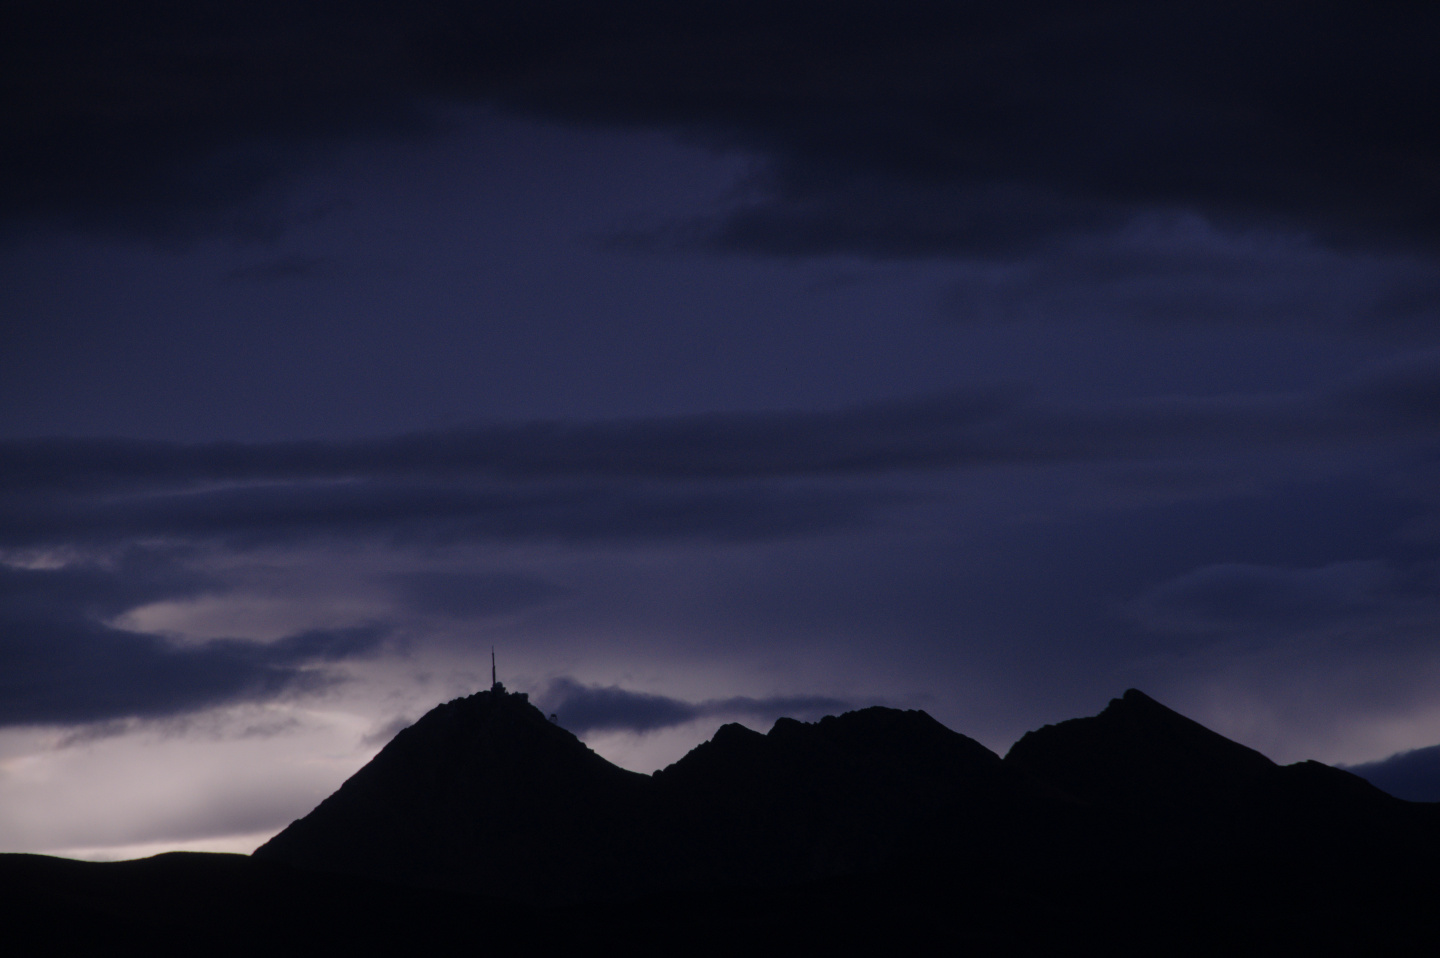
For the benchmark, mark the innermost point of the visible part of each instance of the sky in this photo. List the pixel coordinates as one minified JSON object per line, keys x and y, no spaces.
{"x":708,"y":362}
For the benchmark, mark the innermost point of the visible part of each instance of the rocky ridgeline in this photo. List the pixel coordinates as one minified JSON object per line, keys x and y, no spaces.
{"x":484,"y":794}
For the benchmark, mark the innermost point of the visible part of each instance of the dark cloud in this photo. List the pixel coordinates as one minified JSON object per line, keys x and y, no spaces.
{"x":60,"y":663}
{"x":1413,"y":775}
{"x":588,"y":708}
{"x":470,"y":595}
{"x":959,"y":428}
{"x":1405,"y":392}
{"x":280,"y":269}
{"x":319,"y":645}
{"x":802,"y":212}
{"x":718,"y":477}
{"x":433,"y":513}
{"x":891,"y":129}
{"x":951,"y":428}
{"x":1240,"y":596}
{"x":70,"y":671}
{"x":171,"y":119}
{"x":582,"y":708}
{"x":97,"y":590}
{"x":1169,"y":269}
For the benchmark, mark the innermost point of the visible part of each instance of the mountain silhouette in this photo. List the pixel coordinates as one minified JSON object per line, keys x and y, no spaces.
{"x":809,"y":800}
{"x":481,"y":793}
{"x":1135,"y":831}
{"x":484,"y":794}
{"x":1138,"y":753}
{"x":1174,"y":788}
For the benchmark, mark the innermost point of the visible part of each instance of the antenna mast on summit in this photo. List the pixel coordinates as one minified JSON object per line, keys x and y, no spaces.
{"x":494,"y":682}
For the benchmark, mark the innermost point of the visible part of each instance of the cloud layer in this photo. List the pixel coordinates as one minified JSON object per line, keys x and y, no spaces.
{"x":1239,"y":596}
{"x":61,"y":664}
{"x":720,"y":477}
{"x":896,"y":129}
{"x":717,"y":478}
{"x":587,"y":708}
{"x":1413,"y":775}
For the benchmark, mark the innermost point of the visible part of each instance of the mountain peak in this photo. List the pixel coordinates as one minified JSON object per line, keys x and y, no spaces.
{"x":1137,"y":752}
{"x":1137,"y":697}
{"x":873,"y":737}
{"x":483,"y":792}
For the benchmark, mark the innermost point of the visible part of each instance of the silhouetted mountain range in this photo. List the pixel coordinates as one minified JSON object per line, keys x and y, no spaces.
{"x":485,"y":795}
{"x":1137,"y":829}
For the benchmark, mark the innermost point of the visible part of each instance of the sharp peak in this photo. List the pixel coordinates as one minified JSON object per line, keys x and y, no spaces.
{"x":1136,"y":699}
{"x":1130,"y":708}
{"x":1135,"y":704}
{"x":1134,"y":713}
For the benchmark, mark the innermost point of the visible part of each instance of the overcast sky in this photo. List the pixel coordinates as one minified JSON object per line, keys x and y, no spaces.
{"x":711,"y":362}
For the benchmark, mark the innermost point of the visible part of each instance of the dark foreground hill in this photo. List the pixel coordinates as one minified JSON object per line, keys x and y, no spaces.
{"x":486,"y":826}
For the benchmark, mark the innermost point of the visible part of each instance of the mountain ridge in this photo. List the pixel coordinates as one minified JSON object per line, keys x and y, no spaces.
{"x":1174,"y":788}
{"x":876,"y":829}
{"x":484,"y":794}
